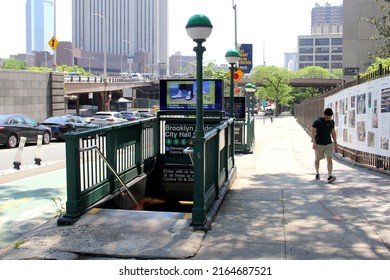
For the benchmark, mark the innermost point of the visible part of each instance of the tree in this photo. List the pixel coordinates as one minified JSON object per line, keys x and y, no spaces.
{"x":276,"y":84}
{"x":14,"y":64}
{"x":385,"y":62}
{"x":381,"y":24}
{"x":310,"y":72}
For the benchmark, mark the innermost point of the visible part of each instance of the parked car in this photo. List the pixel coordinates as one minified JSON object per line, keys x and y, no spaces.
{"x":62,"y":124}
{"x":146,"y":113}
{"x":131,"y":115}
{"x":109,"y":117}
{"x":14,"y":127}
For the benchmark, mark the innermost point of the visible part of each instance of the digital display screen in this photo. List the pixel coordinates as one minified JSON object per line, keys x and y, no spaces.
{"x":239,"y":107}
{"x":181,"y":94}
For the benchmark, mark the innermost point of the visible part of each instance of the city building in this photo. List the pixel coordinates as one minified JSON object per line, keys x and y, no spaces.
{"x":356,"y":35}
{"x":325,"y":51}
{"x":327,"y":19}
{"x":181,"y":65}
{"x":324,"y":47}
{"x":133,"y":29}
{"x":39,"y":24}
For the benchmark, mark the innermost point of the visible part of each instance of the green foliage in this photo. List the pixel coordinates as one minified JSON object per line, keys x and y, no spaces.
{"x":67,"y":68}
{"x":41,"y":69}
{"x":337,"y":72}
{"x":381,"y":24}
{"x":375,"y":66}
{"x":276,"y":84}
{"x":14,"y":64}
{"x":312,"y":71}
{"x":60,"y":207}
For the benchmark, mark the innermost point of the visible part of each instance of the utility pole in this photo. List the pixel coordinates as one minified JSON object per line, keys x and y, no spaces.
{"x":235,"y":25}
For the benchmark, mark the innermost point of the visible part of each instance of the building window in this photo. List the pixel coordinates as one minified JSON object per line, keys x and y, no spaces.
{"x":303,"y":65}
{"x":337,"y":41}
{"x":306,"y":58}
{"x":337,"y":65}
{"x":323,"y":65}
{"x":322,"y":50}
{"x":306,"y":42}
{"x":337,"y":57}
{"x":322,"y":42}
{"x":322,"y":57}
{"x":306,"y":50}
{"x":337,"y":50}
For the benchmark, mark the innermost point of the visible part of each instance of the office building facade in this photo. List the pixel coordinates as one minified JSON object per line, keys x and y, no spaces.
{"x":131,"y":28}
{"x":324,"y":47}
{"x":39,"y":24}
{"x":327,"y":19}
{"x":356,"y":35}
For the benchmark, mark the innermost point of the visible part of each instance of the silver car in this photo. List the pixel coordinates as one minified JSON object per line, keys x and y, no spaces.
{"x":105,"y":118}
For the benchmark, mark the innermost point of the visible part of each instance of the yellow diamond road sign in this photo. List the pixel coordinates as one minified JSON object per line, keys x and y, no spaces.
{"x":53,"y":43}
{"x":238,"y":74}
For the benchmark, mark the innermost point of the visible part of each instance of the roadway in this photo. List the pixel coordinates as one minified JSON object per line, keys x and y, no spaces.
{"x":26,"y":199}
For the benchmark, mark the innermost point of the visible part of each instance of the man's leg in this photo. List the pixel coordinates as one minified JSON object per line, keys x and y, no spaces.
{"x":317,"y":166}
{"x":329,"y":165}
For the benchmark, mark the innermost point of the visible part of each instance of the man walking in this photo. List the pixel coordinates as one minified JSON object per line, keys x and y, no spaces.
{"x":321,"y":132}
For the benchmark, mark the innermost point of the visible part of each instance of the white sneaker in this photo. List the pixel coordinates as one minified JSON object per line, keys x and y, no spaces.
{"x":177,"y":95}
{"x":189,"y":96}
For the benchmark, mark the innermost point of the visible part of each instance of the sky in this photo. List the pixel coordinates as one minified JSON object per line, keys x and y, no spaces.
{"x":271,"y":26}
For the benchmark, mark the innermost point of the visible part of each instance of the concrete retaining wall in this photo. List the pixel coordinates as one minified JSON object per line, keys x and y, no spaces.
{"x":35,"y":94}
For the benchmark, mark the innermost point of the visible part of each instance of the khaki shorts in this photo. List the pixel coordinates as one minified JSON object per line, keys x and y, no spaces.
{"x":323,"y":151}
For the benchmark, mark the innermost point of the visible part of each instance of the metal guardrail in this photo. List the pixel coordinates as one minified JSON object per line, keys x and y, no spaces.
{"x":128,"y":148}
{"x":96,"y":79}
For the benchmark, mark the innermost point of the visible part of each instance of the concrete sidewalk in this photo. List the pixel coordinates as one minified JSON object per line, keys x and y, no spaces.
{"x":274,"y":210}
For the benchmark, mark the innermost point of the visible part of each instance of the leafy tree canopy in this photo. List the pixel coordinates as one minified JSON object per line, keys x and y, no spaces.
{"x":276,"y":84}
{"x":14,"y":64}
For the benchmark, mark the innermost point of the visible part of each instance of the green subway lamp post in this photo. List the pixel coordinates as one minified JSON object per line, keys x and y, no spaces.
{"x":250,"y":89}
{"x":199,"y":29}
{"x":232,"y":57}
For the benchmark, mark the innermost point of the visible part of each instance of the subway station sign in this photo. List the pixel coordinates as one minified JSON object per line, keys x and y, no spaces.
{"x":246,"y":58}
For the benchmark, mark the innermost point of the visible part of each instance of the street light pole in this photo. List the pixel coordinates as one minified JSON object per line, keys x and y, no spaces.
{"x":250,"y":89}
{"x":131,"y":53}
{"x":89,"y":64}
{"x":199,"y":29}
{"x":232,"y":57}
{"x":105,"y":42}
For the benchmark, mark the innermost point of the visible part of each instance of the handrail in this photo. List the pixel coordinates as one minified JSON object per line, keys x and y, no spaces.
{"x":94,"y":147}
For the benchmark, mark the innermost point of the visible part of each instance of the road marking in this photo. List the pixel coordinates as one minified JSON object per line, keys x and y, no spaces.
{"x":14,"y":202}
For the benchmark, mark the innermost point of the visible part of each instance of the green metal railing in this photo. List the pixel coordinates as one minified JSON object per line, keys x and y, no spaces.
{"x":129,"y":149}
{"x":102,"y":160}
{"x":209,"y":180}
{"x":245,"y":134}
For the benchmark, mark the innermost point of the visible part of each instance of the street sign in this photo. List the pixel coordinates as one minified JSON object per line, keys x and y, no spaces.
{"x":53,"y":43}
{"x":238,"y":74}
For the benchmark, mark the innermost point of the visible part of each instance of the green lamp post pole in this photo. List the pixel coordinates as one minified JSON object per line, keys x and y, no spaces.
{"x":232,"y":57}
{"x":199,"y":29}
{"x":250,"y":89}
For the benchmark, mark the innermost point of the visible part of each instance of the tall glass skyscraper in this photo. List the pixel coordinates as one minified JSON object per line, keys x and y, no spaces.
{"x":39,"y":24}
{"x":132,"y":26}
